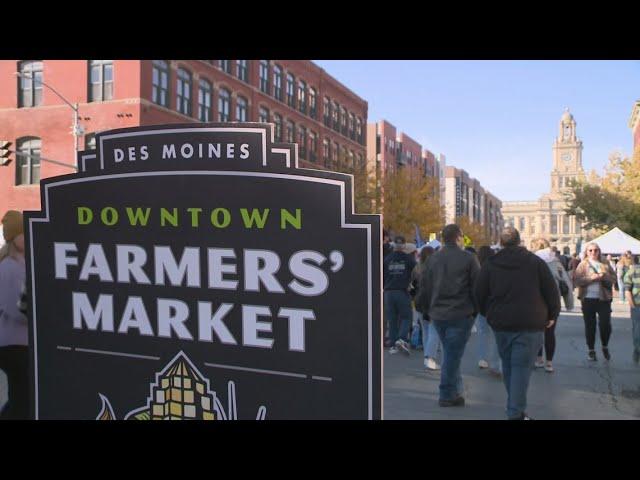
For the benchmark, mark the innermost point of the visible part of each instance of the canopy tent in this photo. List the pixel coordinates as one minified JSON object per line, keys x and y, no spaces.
{"x":617,"y":242}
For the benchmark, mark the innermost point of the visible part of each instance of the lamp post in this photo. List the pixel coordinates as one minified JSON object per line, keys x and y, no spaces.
{"x":77,"y":129}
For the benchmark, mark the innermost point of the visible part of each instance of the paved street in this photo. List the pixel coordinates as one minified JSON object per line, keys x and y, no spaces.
{"x":578,"y":389}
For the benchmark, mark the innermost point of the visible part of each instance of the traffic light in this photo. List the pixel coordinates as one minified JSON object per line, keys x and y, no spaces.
{"x":5,"y":152}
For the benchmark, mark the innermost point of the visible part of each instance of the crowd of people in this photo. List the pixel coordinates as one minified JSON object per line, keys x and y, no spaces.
{"x":510,"y":295}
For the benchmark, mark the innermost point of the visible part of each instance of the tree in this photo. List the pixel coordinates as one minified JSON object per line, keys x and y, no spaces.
{"x":479,"y":234}
{"x":610,"y":200}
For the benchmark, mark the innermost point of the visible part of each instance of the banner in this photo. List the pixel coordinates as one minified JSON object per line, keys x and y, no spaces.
{"x":196,"y":272}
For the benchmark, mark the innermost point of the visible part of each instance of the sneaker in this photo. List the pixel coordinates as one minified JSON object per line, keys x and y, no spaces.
{"x":539,"y":363}
{"x":605,"y":352}
{"x":430,"y":364}
{"x":393,"y":351}
{"x":548,"y":367}
{"x":403,"y":346}
{"x":483,"y":364}
{"x":592,"y":356}
{"x":456,"y":402}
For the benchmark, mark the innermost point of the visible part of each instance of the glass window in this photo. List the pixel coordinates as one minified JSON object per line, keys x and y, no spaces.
{"x":277,"y":82}
{"x":224,"y":101}
{"x":90,"y":141}
{"x":277,"y":121}
{"x":30,"y":85}
{"x":302,"y":96}
{"x":225,"y":65}
{"x":360,"y":160}
{"x":352,"y":126}
{"x":204,"y":101}
{"x":28,"y":160}
{"x":565,"y":224}
{"x":326,"y":146}
{"x":359,"y":131}
{"x":334,"y":153}
{"x":183,"y":93}
{"x":302,"y":141}
{"x":326,"y":111}
{"x":263,"y":115}
{"x":553,"y":224}
{"x":264,"y":76}
{"x":312,"y":102}
{"x":313,"y":146}
{"x":160,"y":83}
{"x":241,"y":109}
{"x":291,"y":99}
{"x":291,"y":132}
{"x":336,"y":116}
{"x":242,"y":70}
{"x":343,"y":120}
{"x":100,"y":80}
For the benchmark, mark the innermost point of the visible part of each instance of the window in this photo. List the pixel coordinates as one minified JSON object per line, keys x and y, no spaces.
{"x":160,"y":83}
{"x":183,"y":93}
{"x":224,"y":101}
{"x":352,"y":126}
{"x":521,"y":224}
{"x":225,"y":66}
{"x":312,"y":103}
{"x":264,"y":76}
{"x":343,"y":120}
{"x":28,"y":167}
{"x":277,"y":120}
{"x":313,"y":146}
{"x":291,"y":99}
{"x":359,"y":131}
{"x":263,"y":115}
{"x":326,"y":147}
{"x":326,"y":111}
{"x":352,"y":159}
{"x":241,"y":109}
{"x":100,"y":80}
{"x":343,"y":156}
{"x":553,"y":224}
{"x":302,"y":96}
{"x":335,"y":116}
{"x":204,"y":101}
{"x":90,"y":141}
{"x":242,"y":70}
{"x":302,"y":141}
{"x":277,"y":82}
{"x":334,"y":154}
{"x":291,"y":132}
{"x":30,"y":86}
{"x":565,"y":224}
{"x":360,"y":160}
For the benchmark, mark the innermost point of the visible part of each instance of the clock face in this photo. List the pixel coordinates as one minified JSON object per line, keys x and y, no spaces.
{"x":566,"y":157}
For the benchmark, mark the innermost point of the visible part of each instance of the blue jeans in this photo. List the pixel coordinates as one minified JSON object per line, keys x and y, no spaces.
{"x":454,"y":335}
{"x":635,"y":325}
{"x":487,"y":348}
{"x":430,"y":339}
{"x":621,"y":288}
{"x":397,"y":308}
{"x":518,"y":352}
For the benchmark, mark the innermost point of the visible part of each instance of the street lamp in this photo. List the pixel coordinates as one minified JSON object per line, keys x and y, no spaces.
{"x":77,"y":129}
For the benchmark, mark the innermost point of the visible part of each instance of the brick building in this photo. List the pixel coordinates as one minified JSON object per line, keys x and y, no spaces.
{"x":306,"y":105}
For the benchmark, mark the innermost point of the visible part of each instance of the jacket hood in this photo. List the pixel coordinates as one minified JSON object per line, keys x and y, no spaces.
{"x":547,"y":255}
{"x":510,"y":258}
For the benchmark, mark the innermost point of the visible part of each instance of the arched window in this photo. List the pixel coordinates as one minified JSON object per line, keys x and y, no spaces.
{"x":313,"y":146}
{"x":264,"y":76}
{"x":28,"y":160}
{"x":277,"y":82}
{"x":277,"y":120}
{"x":160,"y":83}
{"x":263,"y":115}
{"x":100,"y":80}
{"x":241,"y":109}
{"x":30,"y":84}
{"x":183,"y":92}
{"x":302,"y":141}
{"x":204,"y":100}
{"x":335,"y":113}
{"x":302,"y":96}
{"x":326,"y":111}
{"x":225,"y":65}
{"x":291,"y":86}
{"x":242,"y":70}
{"x":312,"y":102}
{"x":291,"y":132}
{"x":224,"y":101}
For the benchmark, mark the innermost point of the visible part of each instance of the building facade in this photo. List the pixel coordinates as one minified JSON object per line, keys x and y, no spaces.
{"x":465,"y":197}
{"x":634,"y":125}
{"x":306,"y":105}
{"x":546,"y":217}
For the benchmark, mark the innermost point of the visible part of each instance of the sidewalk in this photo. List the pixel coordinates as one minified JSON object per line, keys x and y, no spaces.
{"x":578,"y":389}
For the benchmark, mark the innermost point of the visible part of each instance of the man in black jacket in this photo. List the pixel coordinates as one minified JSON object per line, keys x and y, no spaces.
{"x":518,"y":295}
{"x":445,"y":295}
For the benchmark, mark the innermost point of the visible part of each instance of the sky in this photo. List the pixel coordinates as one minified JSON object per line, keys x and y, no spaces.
{"x":498,"y":119}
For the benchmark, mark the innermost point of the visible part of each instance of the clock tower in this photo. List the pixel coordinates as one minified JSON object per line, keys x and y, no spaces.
{"x":567,"y":155}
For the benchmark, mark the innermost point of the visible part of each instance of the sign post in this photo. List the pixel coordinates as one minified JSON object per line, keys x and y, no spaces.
{"x":196,"y":272}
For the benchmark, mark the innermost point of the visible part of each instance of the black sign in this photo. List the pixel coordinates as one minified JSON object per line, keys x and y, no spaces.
{"x":195,"y":272}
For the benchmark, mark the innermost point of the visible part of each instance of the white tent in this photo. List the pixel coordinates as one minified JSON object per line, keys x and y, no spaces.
{"x":616,"y":242}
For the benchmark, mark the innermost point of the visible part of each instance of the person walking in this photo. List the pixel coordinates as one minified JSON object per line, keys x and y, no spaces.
{"x":397,"y":268}
{"x":14,"y":355}
{"x":595,"y":279}
{"x":518,"y":294}
{"x":430,"y":340}
{"x":487,"y":349}
{"x":540,"y":246}
{"x":622,"y":267}
{"x":632,"y":293}
{"x":445,"y":294}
